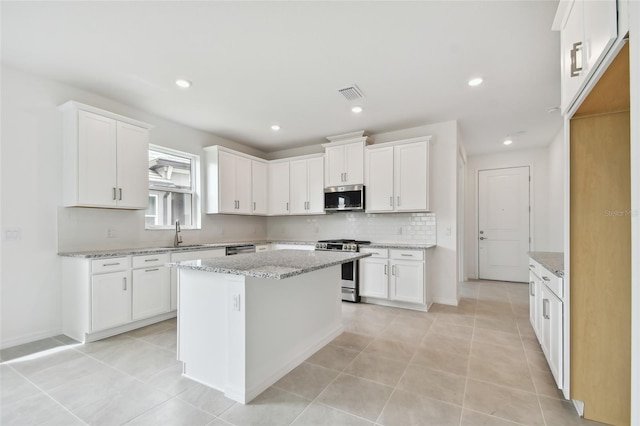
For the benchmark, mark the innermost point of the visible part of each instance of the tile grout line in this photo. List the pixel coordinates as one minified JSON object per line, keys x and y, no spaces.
{"x":466,"y":382}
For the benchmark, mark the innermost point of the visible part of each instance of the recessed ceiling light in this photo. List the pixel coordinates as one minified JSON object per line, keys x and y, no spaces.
{"x":475,"y":82}
{"x":181,"y":82}
{"x":508,"y":142}
{"x":275,"y":127}
{"x":357,"y":109}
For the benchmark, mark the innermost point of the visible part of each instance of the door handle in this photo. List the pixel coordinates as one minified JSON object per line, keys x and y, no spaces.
{"x":398,"y":200}
{"x":114,"y":193}
{"x":393,"y":269}
{"x":287,"y":206}
{"x":391,"y":201}
{"x":124,"y":284}
{"x":254,"y":206}
{"x":120,"y":198}
{"x":575,"y":50}
{"x":385,"y":269}
{"x":345,"y":176}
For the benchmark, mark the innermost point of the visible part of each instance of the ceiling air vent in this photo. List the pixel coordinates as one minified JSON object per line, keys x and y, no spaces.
{"x":352,"y":93}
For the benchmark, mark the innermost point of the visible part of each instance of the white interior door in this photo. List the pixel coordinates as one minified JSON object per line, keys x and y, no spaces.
{"x":503,"y":224}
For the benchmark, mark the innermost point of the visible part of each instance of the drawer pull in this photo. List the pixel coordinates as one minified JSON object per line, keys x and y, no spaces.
{"x":111,"y":264}
{"x":545,"y":278}
{"x":406,"y":255}
{"x":151,"y":270}
{"x":545,"y":308}
{"x":151,"y":260}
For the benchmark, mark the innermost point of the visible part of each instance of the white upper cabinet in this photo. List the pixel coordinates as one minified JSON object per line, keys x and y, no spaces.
{"x":344,"y":159}
{"x":587,"y":30}
{"x":260,"y":187}
{"x":229,"y":181}
{"x":279,"y":188}
{"x":306,"y":186}
{"x":106,"y":159}
{"x":397,"y":176}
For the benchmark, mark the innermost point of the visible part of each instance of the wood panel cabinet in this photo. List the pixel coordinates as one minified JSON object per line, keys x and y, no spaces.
{"x":105,"y":159}
{"x":397,"y":176}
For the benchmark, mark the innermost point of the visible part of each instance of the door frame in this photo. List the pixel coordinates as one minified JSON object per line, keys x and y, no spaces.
{"x":476,"y":223}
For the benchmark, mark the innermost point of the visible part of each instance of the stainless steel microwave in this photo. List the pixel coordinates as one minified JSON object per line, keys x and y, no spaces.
{"x":348,"y":198}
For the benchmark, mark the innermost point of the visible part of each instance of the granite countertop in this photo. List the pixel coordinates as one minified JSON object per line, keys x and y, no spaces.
{"x":551,"y":260}
{"x":275,"y":265}
{"x":399,"y":246}
{"x":155,"y":250}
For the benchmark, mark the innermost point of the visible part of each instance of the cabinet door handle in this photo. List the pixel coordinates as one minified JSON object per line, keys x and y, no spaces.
{"x":287,"y":206}
{"x":120,"y":197}
{"x":532,"y":266}
{"x":114,"y":194}
{"x":576,"y":51}
{"x":545,"y":308}
{"x":385,"y":269}
{"x":254,"y":206}
{"x":124,"y":284}
{"x":151,"y":260}
{"x":393,"y":269}
{"x":345,"y":176}
{"x":398,"y":200}
{"x":111,"y":264}
{"x":531,"y":289}
{"x":152,"y":270}
{"x":391,"y":201}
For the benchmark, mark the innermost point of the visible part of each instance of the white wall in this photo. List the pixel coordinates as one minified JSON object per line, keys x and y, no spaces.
{"x":555,"y":212}
{"x":31,"y":195}
{"x":538,"y":161}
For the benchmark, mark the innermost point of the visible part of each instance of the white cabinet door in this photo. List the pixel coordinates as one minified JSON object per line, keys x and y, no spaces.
{"x":379,"y":190}
{"x":279,"y":188}
{"x":260,"y":187}
{"x":132,"y":166}
{"x":571,"y":37}
{"x":97,"y":160}
{"x":335,"y":165}
{"x":110,"y":300}
{"x":552,"y":330}
{"x":226,"y":182}
{"x":188,"y":255}
{"x":600,"y":30}
{"x":298,"y":187}
{"x":354,"y":163}
{"x":243,"y":185}
{"x":407,"y":281}
{"x":315,"y":185}
{"x":151,"y":289}
{"x":374,"y":278}
{"x":533,"y":305}
{"x":411,"y":165}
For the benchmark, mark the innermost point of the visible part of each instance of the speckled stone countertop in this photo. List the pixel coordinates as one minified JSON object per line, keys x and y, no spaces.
{"x":551,"y":260}
{"x":274,"y":265}
{"x":155,"y":250}
{"x":399,"y":246}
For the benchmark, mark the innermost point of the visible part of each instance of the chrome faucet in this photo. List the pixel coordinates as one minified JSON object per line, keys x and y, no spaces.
{"x":177,"y":240}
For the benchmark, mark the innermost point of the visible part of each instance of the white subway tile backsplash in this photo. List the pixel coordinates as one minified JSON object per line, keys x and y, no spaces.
{"x":395,"y":227}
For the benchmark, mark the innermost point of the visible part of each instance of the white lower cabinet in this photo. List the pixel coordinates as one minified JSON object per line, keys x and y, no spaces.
{"x":552,"y":330}
{"x":151,"y":286}
{"x":188,"y":255}
{"x":110,"y":300}
{"x":394,"y":277}
{"x":108,"y":296}
{"x":546,"y":313}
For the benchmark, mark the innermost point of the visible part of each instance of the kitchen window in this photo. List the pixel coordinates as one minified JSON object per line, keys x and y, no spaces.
{"x":174,"y":189}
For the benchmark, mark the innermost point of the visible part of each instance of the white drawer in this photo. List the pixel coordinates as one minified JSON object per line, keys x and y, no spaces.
{"x":535,"y":267}
{"x":553,"y":282}
{"x":109,"y":264}
{"x":407,"y":254}
{"x":376,"y":252}
{"x":150,"y":260}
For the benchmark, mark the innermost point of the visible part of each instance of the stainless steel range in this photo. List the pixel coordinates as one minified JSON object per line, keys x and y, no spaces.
{"x":350,"y":286}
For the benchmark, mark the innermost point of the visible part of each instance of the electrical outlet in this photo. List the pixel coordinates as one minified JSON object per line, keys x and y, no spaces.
{"x":12,"y":234}
{"x":110,"y":233}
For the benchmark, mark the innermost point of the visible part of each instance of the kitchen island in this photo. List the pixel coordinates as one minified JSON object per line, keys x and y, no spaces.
{"x":245,"y":321}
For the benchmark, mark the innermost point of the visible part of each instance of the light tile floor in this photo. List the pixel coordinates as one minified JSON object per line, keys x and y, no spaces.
{"x":475,"y":364}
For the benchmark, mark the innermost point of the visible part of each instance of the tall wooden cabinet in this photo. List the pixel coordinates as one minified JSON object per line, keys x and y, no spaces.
{"x":106,"y":159}
{"x":600,"y":248}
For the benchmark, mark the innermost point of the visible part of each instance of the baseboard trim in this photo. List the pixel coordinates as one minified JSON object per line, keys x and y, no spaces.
{"x":579,"y":406}
{"x":445,"y":301}
{"x":31,"y":337}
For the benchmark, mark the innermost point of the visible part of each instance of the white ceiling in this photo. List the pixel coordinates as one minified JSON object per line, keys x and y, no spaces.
{"x":257,"y":63}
